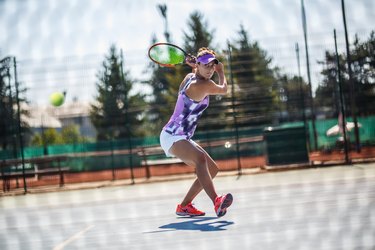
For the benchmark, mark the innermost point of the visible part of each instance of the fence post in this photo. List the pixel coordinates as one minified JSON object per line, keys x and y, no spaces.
{"x":239,"y":167}
{"x":309,"y":77}
{"x":307,"y":135}
{"x":20,"y":136}
{"x":351,"y":83}
{"x":343,"y":115}
{"x":127,"y":125}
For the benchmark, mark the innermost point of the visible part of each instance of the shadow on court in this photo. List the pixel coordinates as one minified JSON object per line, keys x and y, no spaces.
{"x":203,"y":224}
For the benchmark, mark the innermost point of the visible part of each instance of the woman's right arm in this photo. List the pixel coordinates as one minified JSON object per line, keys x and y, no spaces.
{"x":184,"y":81}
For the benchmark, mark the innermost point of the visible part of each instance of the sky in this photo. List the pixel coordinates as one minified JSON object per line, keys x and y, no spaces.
{"x":60,"y":44}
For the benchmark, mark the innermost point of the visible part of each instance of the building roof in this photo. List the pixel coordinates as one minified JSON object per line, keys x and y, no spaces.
{"x":49,"y":117}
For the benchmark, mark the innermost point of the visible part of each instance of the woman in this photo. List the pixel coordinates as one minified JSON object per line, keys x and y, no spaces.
{"x":175,"y":138}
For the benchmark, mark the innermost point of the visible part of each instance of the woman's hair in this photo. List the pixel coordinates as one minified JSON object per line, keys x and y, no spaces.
{"x":203,"y":51}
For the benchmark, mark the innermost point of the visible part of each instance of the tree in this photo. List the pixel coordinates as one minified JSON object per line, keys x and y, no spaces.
{"x":363,"y":75}
{"x":9,"y":121}
{"x":158,"y":110}
{"x":116,"y":113}
{"x":165,"y":82}
{"x":254,"y":78}
{"x":159,"y":107}
{"x":327,"y":93}
{"x":200,"y":35}
{"x":69,"y":135}
{"x":49,"y":137}
{"x":37,"y":140}
{"x":293,"y":97}
{"x":363,"y":64}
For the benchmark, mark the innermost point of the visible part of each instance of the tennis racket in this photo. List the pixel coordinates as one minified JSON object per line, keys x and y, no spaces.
{"x":168,"y":55}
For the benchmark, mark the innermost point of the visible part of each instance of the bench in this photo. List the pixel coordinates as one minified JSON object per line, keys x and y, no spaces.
{"x":151,"y":151}
{"x":41,"y":166}
{"x":155,"y":150}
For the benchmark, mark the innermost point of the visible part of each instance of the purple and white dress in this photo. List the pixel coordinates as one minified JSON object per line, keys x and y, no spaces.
{"x":184,"y":119}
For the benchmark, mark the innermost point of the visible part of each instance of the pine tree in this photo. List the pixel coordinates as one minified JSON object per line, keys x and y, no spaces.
{"x":116,"y":113}
{"x":160,"y":104}
{"x":9,"y":121}
{"x":363,"y":75}
{"x":165,"y":82}
{"x":363,"y":57}
{"x":254,"y":77}
{"x":199,"y":35}
{"x":327,"y":94}
{"x":292,"y":97}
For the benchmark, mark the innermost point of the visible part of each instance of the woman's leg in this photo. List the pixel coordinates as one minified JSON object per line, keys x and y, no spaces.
{"x":197,"y":157}
{"x":196,"y":188}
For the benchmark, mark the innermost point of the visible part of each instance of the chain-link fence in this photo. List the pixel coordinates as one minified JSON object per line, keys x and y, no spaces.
{"x":261,"y":95}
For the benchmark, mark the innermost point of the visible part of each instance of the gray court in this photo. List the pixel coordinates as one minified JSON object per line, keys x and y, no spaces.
{"x":317,"y":208}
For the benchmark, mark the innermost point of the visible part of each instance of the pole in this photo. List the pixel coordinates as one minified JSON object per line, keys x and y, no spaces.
{"x":302,"y":95}
{"x":163,"y":11}
{"x":112,"y":160}
{"x":234,"y":113}
{"x":309,"y":77}
{"x":351,"y":82}
{"x":127,"y":125}
{"x":44,"y":140}
{"x":12,"y":125}
{"x":343,"y":115}
{"x":20,"y":136}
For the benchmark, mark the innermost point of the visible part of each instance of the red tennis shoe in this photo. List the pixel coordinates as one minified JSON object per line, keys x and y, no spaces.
{"x":222,"y":203}
{"x":189,"y":209}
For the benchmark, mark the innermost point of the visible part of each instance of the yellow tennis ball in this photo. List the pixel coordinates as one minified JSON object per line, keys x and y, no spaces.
{"x":57,"y":99}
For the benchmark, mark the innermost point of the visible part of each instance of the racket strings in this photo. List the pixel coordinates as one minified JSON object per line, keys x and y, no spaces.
{"x":165,"y":54}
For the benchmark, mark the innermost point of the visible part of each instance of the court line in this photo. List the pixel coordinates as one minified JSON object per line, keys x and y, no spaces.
{"x":73,"y":238}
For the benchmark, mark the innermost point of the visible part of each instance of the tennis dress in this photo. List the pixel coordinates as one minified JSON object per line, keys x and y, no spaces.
{"x":184,"y":119}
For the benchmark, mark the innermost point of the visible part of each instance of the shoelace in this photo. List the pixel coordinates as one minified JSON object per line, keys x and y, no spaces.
{"x":190,"y":205}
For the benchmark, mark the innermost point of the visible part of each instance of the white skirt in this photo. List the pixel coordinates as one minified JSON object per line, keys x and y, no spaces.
{"x":167,"y":140}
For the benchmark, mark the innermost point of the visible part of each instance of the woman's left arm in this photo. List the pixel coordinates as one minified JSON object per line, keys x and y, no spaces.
{"x":221,"y":88}
{"x":219,"y":68}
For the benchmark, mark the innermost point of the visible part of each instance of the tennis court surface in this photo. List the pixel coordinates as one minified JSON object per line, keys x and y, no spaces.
{"x":316,"y":208}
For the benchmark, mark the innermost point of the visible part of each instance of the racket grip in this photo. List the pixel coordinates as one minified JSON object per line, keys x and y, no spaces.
{"x":190,"y":58}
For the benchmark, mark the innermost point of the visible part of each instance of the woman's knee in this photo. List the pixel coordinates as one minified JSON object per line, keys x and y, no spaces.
{"x":214,"y":170}
{"x":200,"y":160}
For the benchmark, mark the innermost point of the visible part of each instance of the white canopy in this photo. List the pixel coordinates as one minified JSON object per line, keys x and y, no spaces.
{"x":335,"y":130}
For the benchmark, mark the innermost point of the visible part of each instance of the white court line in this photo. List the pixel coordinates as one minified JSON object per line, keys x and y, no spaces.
{"x":73,"y":238}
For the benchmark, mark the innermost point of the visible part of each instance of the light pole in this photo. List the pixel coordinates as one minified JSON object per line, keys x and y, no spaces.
{"x":20,"y":133}
{"x":308,"y":75}
{"x":351,"y":83}
{"x":342,"y":105}
{"x":234,"y":113}
{"x":163,"y":11}
{"x":302,"y":93}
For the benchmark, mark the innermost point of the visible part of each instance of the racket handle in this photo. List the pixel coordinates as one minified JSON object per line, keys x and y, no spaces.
{"x":190,"y":58}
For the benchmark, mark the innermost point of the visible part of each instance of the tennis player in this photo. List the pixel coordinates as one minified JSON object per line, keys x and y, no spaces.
{"x":175,"y":137}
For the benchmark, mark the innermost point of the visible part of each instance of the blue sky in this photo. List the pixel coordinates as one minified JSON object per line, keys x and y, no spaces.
{"x":52,"y":38}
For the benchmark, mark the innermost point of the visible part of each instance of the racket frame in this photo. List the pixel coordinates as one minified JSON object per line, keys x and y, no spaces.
{"x":166,"y":64}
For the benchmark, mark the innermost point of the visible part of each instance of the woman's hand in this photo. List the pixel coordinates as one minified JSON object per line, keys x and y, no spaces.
{"x":219,"y":68}
{"x":191,"y":61}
